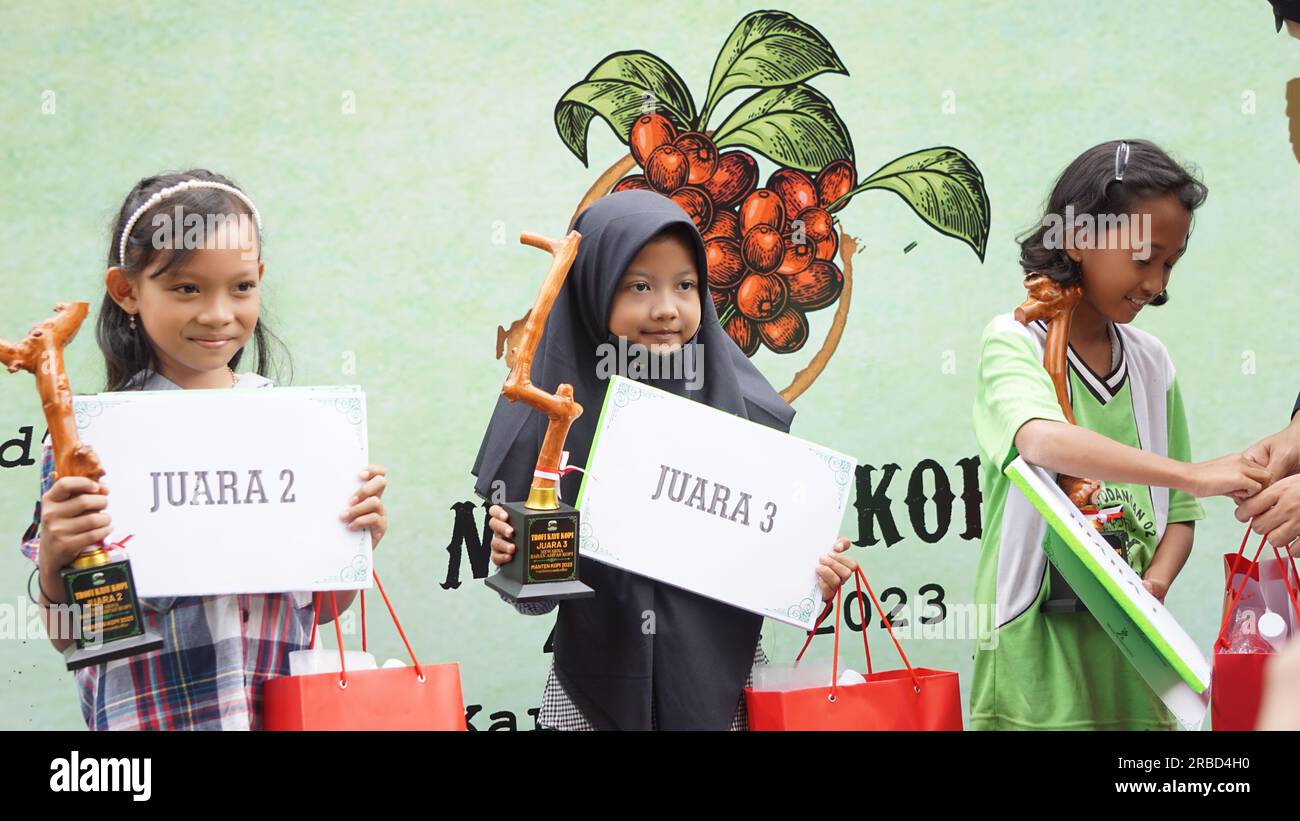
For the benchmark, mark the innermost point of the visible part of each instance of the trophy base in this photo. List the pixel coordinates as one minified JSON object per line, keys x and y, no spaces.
{"x":108,"y":651}
{"x":516,"y":591}
{"x":545,"y":564}
{"x":107,"y":611}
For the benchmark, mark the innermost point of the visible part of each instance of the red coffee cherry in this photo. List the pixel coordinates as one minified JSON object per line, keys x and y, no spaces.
{"x":701,"y":155}
{"x":666,"y":169}
{"x":721,"y":299}
{"x":725,"y":224}
{"x":636,"y":182}
{"x":787,"y":332}
{"x":797,"y":255}
{"x":834,"y":181}
{"x":734,"y":179}
{"x":726,"y":266}
{"x":743,"y":333}
{"x":763,"y":249}
{"x":795,"y":188}
{"x":761,"y":296}
{"x":815,"y":287}
{"x":763,"y":207}
{"x":648,"y":133}
{"x":817,"y":223}
{"x":826,"y":248}
{"x":695,"y":202}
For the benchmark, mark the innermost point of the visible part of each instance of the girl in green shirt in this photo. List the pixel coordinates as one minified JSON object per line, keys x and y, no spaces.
{"x":1117,"y":221}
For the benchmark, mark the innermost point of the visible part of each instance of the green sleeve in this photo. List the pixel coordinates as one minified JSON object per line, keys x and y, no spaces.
{"x":1183,"y":507}
{"x":1013,"y":389}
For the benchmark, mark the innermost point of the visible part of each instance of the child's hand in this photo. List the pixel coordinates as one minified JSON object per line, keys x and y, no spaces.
{"x":1156,"y":587}
{"x":503,"y":550}
{"x":368,"y":506}
{"x":834,"y":570}
{"x":1233,"y":475}
{"x":73,"y":517}
{"x":1276,"y":511}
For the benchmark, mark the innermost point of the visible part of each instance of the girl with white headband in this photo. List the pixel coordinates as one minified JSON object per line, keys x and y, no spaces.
{"x":183,"y":302}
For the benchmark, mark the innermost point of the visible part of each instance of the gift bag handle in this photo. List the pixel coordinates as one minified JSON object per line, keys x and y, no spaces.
{"x":338,"y":631}
{"x":1222,"y":639}
{"x":859,"y":579}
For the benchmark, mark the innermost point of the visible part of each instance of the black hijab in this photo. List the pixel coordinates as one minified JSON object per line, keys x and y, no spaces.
{"x":638,"y":639}
{"x":1285,"y":10}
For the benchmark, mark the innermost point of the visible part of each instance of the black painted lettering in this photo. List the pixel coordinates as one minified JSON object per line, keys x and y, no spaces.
{"x":873,"y":505}
{"x":916,"y":500}
{"x":24,"y":445}
{"x":464,"y":532}
{"x":971,"y":497}
{"x":503,"y":720}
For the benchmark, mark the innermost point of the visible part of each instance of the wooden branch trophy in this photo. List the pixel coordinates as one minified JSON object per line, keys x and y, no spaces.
{"x":101,"y":589}
{"x":1054,"y":304}
{"x":545,"y":564}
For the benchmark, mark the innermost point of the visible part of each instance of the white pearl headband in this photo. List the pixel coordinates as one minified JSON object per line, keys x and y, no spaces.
{"x":167,"y":192}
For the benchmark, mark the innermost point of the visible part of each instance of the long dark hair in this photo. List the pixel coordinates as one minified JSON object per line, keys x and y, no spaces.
{"x":1089,"y":185}
{"x":128,"y":352}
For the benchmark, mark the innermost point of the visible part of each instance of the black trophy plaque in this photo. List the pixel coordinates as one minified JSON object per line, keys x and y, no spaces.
{"x":108,"y":623}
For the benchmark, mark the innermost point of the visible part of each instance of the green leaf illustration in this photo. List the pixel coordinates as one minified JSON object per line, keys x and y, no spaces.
{"x":768,"y":49}
{"x":794,"y":126}
{"x":620,"y":89}
{"x":945,"y":189}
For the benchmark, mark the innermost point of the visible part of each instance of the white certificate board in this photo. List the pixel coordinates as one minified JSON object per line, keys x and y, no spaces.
{"x":233,"y":491}
{"x":703,"y":500}
{"x":1148,"y":634}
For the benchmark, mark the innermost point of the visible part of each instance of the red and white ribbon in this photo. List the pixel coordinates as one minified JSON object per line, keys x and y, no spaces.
{"x":1109,"y":514}
{"x":554,"y":474}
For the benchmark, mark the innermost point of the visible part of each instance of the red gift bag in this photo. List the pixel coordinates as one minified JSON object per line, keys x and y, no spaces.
{"x":916,"y":698}
{"x":420,"y":697}
{"x":1238,"y":678}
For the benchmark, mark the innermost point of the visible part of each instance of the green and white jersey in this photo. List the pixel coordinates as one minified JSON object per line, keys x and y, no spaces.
{"x":1059,"y":670}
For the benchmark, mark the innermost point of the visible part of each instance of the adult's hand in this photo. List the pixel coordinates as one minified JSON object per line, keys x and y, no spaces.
{"x":1275,"y":510}
{"x":1280,"y":453}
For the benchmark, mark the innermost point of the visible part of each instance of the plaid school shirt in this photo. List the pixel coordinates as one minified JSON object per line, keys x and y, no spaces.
{"x":217,"y":651}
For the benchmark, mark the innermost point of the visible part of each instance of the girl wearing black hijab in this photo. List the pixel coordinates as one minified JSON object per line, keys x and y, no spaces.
{"x":641,"y":654}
